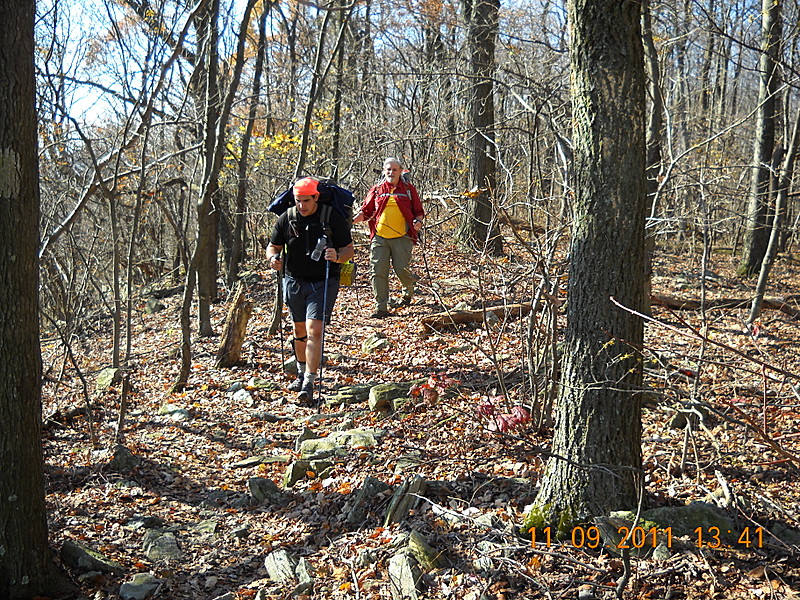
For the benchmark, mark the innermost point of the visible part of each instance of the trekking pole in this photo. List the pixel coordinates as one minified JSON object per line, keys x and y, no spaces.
{"x":324,"y":319}
{"x":279,"y":305}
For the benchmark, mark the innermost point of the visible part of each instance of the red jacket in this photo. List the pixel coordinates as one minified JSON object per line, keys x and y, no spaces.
{"x":407,"y":200}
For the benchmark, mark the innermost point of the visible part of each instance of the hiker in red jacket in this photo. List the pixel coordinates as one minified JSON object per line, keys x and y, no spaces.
{"x":394,"y":213}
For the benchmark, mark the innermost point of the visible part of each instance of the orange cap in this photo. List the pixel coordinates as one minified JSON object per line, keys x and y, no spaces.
{"x":305,"y":187}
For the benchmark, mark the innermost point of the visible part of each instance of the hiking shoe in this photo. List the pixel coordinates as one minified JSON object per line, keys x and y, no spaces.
{"x":306,"y":391}
{"x":407,"y":298}
{"x":296,"y":385}
{"x":380,"y":314}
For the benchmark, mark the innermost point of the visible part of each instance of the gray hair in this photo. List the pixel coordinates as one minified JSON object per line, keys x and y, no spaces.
{"x":391,"y":160}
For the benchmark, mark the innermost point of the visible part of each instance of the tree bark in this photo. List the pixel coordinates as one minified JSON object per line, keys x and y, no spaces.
{"x":653,"y":137}
{"x":207,"y":93}
{"x":478,"y":228}
{"x":757,"y":231}
{"x":237,"y":249}
{"x":233,"y":334}
{"x":26,"y":568}
{"x":596,"y":463}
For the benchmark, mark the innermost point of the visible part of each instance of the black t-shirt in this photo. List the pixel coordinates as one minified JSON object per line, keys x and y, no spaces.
{"x":299,"y":238}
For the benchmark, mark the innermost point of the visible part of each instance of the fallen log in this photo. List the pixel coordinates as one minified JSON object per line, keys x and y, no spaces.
{"x":515,"y":311}
{"x":458,"y":317}
{"x":781,"y":304}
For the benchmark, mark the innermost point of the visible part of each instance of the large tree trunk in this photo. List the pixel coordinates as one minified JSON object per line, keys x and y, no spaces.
{"x":756,"y":230}
{"x":596,"y":463}
{"x":478,"y":228}
{"x":26,"y":569}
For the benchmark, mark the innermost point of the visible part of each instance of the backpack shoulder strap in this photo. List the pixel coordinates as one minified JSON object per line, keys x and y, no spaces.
{"x":325,"y":220}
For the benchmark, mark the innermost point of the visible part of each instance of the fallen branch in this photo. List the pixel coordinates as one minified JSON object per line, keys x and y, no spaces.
{"x":781,"y":304}
{"x":458,"y":317}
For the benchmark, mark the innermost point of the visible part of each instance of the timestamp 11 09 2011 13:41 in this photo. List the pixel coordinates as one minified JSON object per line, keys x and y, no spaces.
{"x":639,"y":537}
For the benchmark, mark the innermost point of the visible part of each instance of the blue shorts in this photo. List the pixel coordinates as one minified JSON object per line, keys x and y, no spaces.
{"x":304,"y":298}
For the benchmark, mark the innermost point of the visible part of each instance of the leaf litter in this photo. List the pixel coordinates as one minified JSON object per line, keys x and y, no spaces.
{"x":716,"y":428}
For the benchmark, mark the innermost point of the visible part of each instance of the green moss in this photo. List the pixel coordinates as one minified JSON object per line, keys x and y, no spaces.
{"x":544,"y":516}
{"x":535,"y":518}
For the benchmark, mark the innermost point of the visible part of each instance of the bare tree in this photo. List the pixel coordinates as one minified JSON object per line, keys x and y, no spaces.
{"x":479,"y":227}
{"x":757,"y":219}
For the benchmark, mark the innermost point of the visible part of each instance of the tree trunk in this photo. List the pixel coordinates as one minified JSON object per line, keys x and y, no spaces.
{"x":596,"y":463}
{"x":207,"y":94}
{"x":229,"y":352}
{"x":26,"y":568}
{"x":756,"y":234}
{"x":653,"y":137}
{"x":478,"y":227}
{"x":781,"y":200}
{"x":237,"y":248}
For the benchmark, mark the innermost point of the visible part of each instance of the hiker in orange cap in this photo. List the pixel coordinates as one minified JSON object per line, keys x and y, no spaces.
{"x":314,"y":253}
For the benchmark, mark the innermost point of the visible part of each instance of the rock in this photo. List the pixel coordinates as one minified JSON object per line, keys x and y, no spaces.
{"x":488,"y":521}
{"x":243,"y":398}
{"x":123,"y":461}
{"x":685,"y":519}
{"x":153,"y":306}
{"x":216,"y":498}
{"x":426,"y":556}
{"x":404,"y":499}
{"x":280,"y":565}
{"x":375,"y":342}
{"x":306,"y":434}
{"x":404,"y":577}
{"x":160,"y":545}
{"x":83,"y":558}
{"x":299,"y":469}
{"x":290,"y":365}
{"x":207,"y":527}
{"x":351,"y":438}
{"x":267,"y":416}
{"x":786,"y":534}
{"x":351,"y":394}
{"x":140,"y":587}
{"x":688,"y":411}
{"x":228,"y":596}
{"x":305,"y":578}
{"x":366,"y":557}
{"x":241,"y":532}
{"x":265,"y":491}
{"x":485,"y":550}
{"x":236,"y":386}
{"x":382,"y":395}
{"x":107,"y":377}
{"x":257,"y":383}
{"x":175,"y":412}
{"x":359,"y":509}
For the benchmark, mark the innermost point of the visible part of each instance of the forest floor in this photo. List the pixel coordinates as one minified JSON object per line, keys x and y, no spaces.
{"x":193,"y":466}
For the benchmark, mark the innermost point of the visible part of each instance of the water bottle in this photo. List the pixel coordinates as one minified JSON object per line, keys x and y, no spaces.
{"x":317,"y":253}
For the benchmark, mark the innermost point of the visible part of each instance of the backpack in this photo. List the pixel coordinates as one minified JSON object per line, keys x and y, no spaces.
{"x":330,"y":194}
{"x":331,"y":197}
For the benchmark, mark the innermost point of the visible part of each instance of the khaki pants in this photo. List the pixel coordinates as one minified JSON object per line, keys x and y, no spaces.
{"x":398,"y":252}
